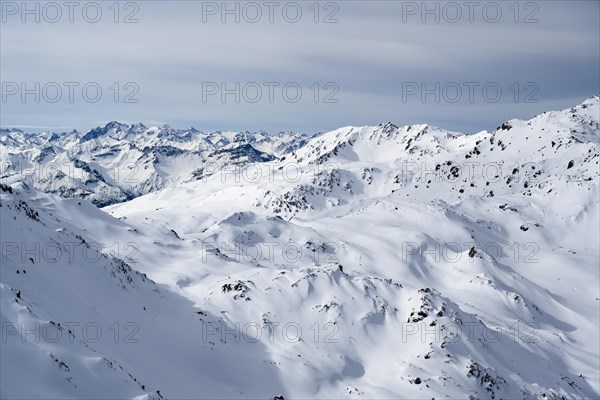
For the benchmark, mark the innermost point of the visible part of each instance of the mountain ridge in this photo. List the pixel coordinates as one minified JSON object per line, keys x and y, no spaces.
{"x":123,"y":153}
{"x":368,"y":262}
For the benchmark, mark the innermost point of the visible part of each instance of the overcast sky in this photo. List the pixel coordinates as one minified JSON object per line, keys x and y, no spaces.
{"x":370,"y":60}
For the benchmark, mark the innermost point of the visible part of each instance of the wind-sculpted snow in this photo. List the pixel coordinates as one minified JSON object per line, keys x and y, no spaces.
{"x":367,"y":262}
{"x":79,"y":322}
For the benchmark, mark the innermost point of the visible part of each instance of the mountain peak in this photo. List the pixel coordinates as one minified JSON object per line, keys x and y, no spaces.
{"x":103,"y":130}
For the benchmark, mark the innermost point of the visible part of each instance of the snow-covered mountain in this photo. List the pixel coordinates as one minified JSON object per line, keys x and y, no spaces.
{"x":367,"y":262}
{"x":118,"y":162}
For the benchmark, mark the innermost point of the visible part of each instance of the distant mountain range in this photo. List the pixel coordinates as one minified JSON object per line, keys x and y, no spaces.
{"x":118,"y":162}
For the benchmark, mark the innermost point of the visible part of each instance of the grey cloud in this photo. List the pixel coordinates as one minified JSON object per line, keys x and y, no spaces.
{"x":370,"y":53}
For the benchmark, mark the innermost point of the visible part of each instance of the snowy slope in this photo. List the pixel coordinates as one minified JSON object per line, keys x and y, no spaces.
{"x":369,"y":262}
{"x":79,"y":323}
